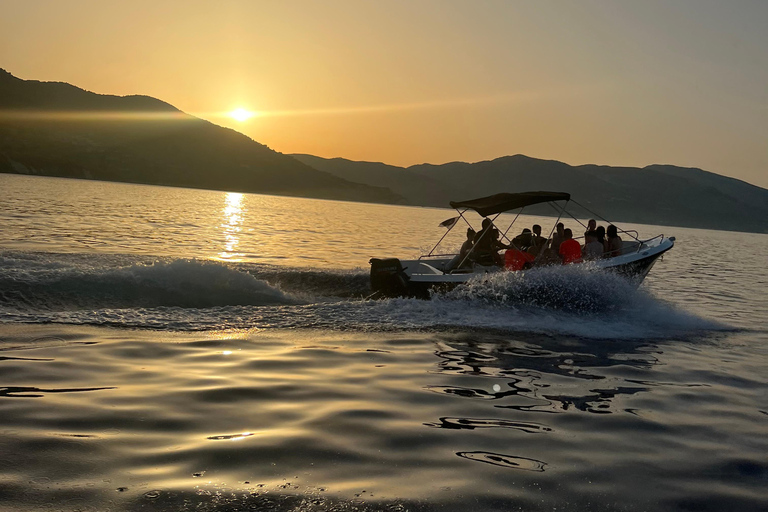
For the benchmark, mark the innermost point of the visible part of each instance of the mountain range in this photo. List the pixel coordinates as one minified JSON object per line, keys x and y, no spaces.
{"x":57,"y":129}
{"x":656,"y":194}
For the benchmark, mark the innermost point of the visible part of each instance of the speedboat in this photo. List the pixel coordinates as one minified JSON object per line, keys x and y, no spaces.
{"x":393,"y":277}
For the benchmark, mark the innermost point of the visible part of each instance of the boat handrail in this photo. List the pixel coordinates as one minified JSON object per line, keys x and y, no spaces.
{"x":629,"y":231}
{"x":644,"y":243}
{"x":654,"y":238}
{"x":425,"y":256}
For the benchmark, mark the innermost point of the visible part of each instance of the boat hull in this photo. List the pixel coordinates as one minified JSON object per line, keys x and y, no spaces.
{"x":391,"y":277}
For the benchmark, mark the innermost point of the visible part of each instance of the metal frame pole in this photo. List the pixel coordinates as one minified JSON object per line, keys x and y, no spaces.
{"x":461,"y":214}
{"x":560,"y":215}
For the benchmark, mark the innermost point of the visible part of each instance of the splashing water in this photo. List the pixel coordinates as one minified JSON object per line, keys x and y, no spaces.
{"x":575,"y":289}
{"x":196,"y":295}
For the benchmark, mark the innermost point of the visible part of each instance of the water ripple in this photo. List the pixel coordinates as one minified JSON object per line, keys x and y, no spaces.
{"x":473,"y":423}
{"x":506,"y":461}
{"x":23,"y":391}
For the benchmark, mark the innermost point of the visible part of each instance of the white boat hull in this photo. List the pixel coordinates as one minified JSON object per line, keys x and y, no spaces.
{"x":392,"y":277}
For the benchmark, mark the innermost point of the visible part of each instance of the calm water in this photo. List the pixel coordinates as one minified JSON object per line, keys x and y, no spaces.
{"x":172,"y":349}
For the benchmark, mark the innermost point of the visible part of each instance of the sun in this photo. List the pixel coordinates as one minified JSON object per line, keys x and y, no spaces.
{"x":241,"y":114}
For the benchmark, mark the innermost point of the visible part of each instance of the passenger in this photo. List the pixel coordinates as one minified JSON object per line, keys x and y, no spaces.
{"x":600,"y":232}
{"x":496,"y":246}
{"x":615,"y":245}
{"x":517,"y":259}
{"x":487,"y":245}
{"x":592,"y":250}
{"x":461,"y":260}
{"x":538,"y":242}
{"x":591,"y":226}
{"x":487,"y":225}
{"x":558,"y":238}
{"x":466,"y":247}
{"x":519,"y":255}
{"x":524,"y":240}
{"x":570,"y":249}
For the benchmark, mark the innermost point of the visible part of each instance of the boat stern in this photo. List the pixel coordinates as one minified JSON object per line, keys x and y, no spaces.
{"x":388,"y":277}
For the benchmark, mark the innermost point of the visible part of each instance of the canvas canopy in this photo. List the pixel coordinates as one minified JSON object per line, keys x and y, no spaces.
{"x":504,"y":202}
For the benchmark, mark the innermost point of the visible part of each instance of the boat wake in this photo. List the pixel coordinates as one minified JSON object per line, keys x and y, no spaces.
{"x":49,"y":285}
{"x":190,"y":295}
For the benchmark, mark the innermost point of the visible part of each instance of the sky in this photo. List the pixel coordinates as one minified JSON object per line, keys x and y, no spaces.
{"x":611,"y":82}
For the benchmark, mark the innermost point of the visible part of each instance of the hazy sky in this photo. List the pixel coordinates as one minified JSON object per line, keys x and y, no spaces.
{"x":609,"y":82}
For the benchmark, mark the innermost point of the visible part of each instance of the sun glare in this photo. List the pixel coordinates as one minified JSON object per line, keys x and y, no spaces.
{"x":240,"y":114}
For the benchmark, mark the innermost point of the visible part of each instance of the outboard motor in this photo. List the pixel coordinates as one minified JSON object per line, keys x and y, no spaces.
{"x":388,"y":277}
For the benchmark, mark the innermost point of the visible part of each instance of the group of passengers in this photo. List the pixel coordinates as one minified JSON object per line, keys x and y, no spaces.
{"x":530,"y":247}
{"x":602,"y":243}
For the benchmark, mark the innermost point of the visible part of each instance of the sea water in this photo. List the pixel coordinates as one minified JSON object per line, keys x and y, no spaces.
{"x":175,"y":349}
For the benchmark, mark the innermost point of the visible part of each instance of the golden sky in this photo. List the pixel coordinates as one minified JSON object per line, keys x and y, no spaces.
{"x":620,"y":82}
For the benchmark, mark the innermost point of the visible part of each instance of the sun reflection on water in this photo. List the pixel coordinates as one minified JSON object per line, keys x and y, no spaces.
{"x":233,"y":213}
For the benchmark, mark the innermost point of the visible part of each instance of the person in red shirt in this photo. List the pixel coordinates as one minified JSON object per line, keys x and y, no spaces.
{"x":570,"y":249}
{"x":515,"y":259}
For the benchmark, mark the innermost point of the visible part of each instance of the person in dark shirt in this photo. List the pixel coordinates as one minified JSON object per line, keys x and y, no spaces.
{"x":558,"y":238}
{"x":591,"y":226}
{"x":461,"y":260}
{"x":468,"y":243}
{"x":487,"y":245}
{"x":466,"y":255}
{"x":538,"y":243}
{"x":524,"y":240}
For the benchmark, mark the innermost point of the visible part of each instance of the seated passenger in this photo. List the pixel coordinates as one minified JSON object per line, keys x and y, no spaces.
{"x":517,"y":256}
{"x":538,"y":242}
{"x":600,"y":233}
{"x":487,"y":245}
{"x":461,"y":260}
{"x":592,"y":250}
{"x":570,"y":249}
{"x":591,"y":226}
{"x":524,"y":240}
{"x":487,"y":226}
{"x":498,"y":245}
{"x":558,"y":237}
{"x":515,"y":259}
{"x":615,"y":245}
{"x":468,"y":243}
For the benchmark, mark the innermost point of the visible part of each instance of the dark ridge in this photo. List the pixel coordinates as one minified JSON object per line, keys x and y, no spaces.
{"x":55,"y":129}
{"x":657,"y":194}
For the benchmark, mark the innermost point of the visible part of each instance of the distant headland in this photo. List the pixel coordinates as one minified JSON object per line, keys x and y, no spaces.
{"x":57,"y":129}
{"x":657,"y":194}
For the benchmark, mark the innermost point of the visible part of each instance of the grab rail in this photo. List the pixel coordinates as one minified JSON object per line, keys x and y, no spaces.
{"x":424,"y":256}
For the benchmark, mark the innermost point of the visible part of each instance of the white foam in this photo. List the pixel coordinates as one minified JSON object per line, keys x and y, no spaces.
{"x":561,"y":300}
{"x":193,"y":295}
{"x":186,"y":283}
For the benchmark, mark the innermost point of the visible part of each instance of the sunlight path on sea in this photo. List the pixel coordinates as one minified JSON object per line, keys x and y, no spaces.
{"x":233,"y":213}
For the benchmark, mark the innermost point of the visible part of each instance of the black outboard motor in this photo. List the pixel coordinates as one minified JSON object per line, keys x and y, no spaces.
{"x":388,"y":277}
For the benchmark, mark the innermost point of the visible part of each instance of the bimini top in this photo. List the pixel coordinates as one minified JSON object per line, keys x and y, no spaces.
{"x":504,"y":202}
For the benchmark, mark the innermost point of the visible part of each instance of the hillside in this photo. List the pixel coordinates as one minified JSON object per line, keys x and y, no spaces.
{"x":657,"y":194}
{"x":57,"y":129}
{"x":417,"y":189}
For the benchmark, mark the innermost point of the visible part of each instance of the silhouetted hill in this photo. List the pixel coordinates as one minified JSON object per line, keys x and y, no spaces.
{"x":57,"y":129}
{"x":415,"y":188}
{"x":657,"y":194}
